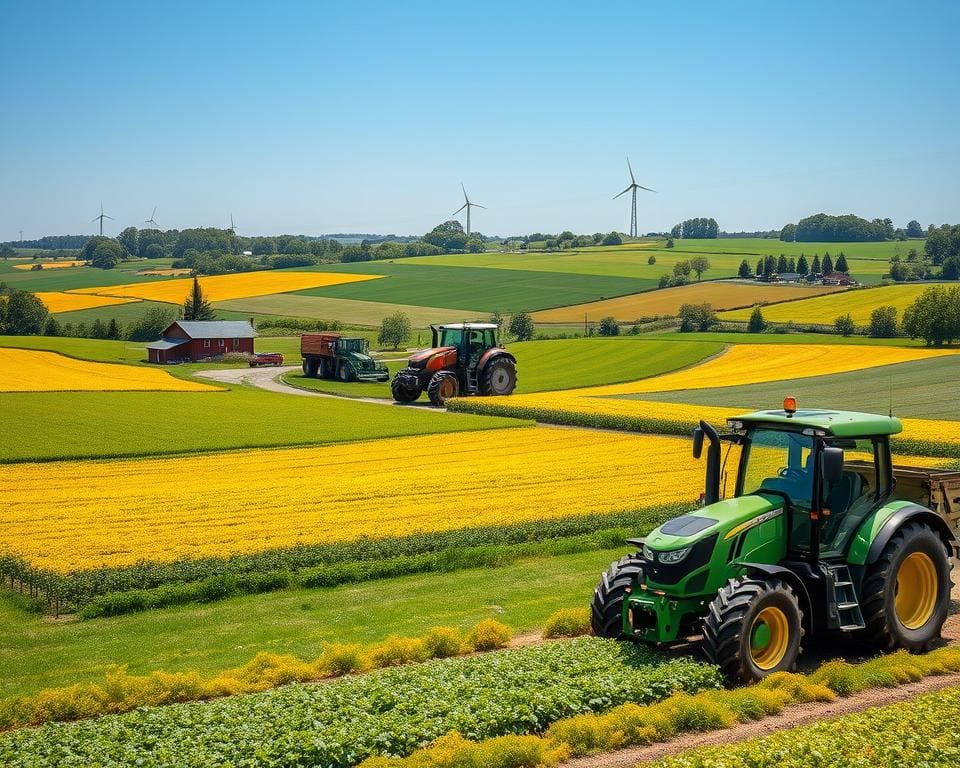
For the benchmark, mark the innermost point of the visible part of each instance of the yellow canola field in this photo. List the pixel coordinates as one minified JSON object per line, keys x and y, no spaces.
{"x":60,"y":301}
{"x":824,"y":310}
{"x":82,"y":515}
{"x":50,"y":264}
{"x":27,"y":370}
{"x":226,"y":287}
{"x":720,"y":294}
{"x":756,"y":363}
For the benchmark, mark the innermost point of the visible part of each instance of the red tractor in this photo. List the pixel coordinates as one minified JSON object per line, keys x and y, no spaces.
{"x":464,"y":359}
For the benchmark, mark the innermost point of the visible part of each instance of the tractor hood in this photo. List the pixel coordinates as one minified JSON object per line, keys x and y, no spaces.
{"x":722,"y":518}
{"x":420,"y":359}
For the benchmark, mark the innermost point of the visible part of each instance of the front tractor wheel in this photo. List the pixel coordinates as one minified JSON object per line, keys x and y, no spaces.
{"x":606,"y":608}
{"x":405,"y":386}
{"x":499,"y":377}
{"x":906,"y":593}
{"x":442,"y":387}
{"x":753,"y":628}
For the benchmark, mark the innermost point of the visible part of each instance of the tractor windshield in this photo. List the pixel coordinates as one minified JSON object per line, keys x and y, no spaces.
{"x":775,"y":460}
{"x":451,"y":337}
{"x":352,"y":345}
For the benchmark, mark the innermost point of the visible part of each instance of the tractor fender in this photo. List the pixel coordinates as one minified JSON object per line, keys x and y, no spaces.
{"x":796,"y":583}
{"x":491,"y":353}
{"x":908,"y":512}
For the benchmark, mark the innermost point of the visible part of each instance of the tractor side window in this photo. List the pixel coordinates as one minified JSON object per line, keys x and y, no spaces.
{"x":489,"y":339}
{"x":847,"y":502}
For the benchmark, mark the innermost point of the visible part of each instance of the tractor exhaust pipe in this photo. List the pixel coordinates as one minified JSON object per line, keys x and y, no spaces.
{"x":712,"y":486}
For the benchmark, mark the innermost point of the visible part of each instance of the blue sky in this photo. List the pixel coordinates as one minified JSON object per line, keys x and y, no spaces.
{"x":318,"y":117}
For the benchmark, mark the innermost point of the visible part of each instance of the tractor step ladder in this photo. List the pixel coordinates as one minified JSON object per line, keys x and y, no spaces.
{"x":849,"y":616}
{"x":472,"y":386}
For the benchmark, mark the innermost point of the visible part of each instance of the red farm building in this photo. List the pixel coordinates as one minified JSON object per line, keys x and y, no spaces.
{"x":191,"y":340}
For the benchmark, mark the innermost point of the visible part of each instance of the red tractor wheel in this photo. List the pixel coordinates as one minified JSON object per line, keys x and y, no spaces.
{"x":442,"y":387}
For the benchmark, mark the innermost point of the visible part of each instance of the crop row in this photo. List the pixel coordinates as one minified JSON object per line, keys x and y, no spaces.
{"x":920,"y":437}
{"x":389,"y":712}
{"x":921,"y":732}
{"x":113,"y":591}
{"x":633,"y":724}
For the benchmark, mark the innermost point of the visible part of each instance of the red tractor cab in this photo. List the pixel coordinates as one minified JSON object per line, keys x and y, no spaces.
{"x":464,"y":359}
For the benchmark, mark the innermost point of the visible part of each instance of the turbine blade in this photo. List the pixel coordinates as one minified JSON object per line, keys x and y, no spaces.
{"x":464,"y":192}
{"x":630,"y":168}
{"x":107,"y":217}
{"x":624,"y":192}
{"x":647,"y":188}
{"x":477,"y":205}
{"x":459,"y":209}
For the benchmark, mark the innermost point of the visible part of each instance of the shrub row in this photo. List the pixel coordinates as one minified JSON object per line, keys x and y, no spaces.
{"x":122,"y":692}
{"x":388,"y":712}
{"x":634,"y":724}
{"x":922,"y":731}
{"x":113,"y":591}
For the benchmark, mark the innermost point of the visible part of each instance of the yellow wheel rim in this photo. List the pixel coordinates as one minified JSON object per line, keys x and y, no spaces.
{"x":769,"y":638}
{"x":916,"y":590}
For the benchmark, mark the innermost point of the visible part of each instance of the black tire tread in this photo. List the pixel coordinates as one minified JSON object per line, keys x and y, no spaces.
{"x":486,"y":387}
{"x":400,"y":393}
{"x":606,"y":607}
{"x":433,"y":388}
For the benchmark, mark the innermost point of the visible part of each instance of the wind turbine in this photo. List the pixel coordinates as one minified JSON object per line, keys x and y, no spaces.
{"x":152,"y":220}
{"x":232,"y":228}
{"x":101,"y":217}
{"x":468,"y":205}
{"x":633,"y":208}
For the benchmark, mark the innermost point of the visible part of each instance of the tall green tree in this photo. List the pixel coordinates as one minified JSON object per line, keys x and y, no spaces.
{"x":129,"y":240}
{"x":914,"y":229}
{"x":196,"y":306}
{"x":802,"y":267}
{"x":757,"y":323}
{"x":23,"y":314}
{"x":827,"y":264}
{"x":883,"y":323}
{"x":815,"y":267}
{"x":699,"y":264}
{"x":844,"y":325}
{"x":744,"y":270}
{"x":394,"y":330}
{"x":841,"y":265}
{"x":522,"y":327}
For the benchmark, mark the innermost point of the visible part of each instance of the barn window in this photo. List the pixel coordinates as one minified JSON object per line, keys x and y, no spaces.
{"x":206,"y":343}
{"x":236,"y":343}
{"x":220,"y":342}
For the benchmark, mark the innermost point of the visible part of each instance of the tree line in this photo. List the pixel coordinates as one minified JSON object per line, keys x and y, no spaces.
{"x":701,"y":228}
{"x":824,"y":228}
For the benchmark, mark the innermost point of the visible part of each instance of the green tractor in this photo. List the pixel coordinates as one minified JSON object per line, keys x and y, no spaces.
{"x":820,"y":534}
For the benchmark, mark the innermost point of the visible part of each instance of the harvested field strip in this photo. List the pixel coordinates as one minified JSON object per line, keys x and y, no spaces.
{"x":224,"y":287}
{"x":630,"y":725}
{"x":85,"y":514}
{"x":721,"y":294}
{"x":924,"y":389}
{"x":755,"y":363}
{"x":50,"y":264}
{"x":389,"y":712}
{"x":27,"y":370}
{"x":825,"y":309}
{"x":59,"y":301}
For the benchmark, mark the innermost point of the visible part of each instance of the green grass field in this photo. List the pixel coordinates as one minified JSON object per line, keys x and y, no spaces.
{"x":38,"y":653}
{"x":925,"y":389}
{"x":561,"y":364}
{"x":54,"y":425}
{"x":785,"y":338}
{"x":868,"y":261}
{"x":68,"y":278}
{"x":485,"y":290}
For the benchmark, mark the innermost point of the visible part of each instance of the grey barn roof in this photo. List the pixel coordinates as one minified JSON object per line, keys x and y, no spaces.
{"x":167,"y":343}
{"x":217,"y":329}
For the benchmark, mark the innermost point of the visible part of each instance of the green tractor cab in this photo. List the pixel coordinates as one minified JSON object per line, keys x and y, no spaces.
{"x":801,"y":532}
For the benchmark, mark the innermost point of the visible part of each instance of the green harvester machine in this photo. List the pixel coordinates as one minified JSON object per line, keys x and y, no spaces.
{"x":805,"y":528}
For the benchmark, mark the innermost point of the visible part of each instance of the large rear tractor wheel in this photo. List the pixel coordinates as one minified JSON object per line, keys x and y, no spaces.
{"x":310,"y":367}
{"x":442,"y":387}
{"x":753,"y":628}
{"x":345,"y":373}
{"x":906,"y":593}
{"x":606,"y":608}
{"x":405,"y":387}
{"x":499,"y":377}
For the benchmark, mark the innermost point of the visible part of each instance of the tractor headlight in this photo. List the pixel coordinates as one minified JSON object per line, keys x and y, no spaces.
{"x":647,"y":553}
{"x":674,"y":556}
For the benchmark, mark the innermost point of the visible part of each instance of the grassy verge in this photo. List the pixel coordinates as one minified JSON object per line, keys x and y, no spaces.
{"x":145,"y":586}
{"x":49,"y":426}
{"x":211,"y":637}
{"x":635,"y":724}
